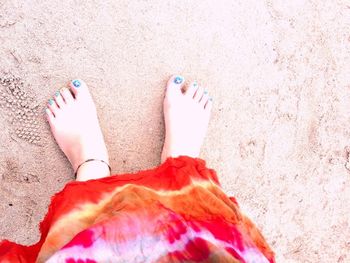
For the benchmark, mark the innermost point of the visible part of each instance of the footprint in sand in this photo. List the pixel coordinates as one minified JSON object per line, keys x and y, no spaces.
{"x":20,"y":109}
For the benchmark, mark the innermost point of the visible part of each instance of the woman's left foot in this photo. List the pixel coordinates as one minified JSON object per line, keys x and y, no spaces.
{"x":75,"y":126}
{"x":186,"y":117}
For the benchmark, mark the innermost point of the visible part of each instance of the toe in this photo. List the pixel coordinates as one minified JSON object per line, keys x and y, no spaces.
{"x":49,"y":115}
{"x":192,"y":90}
{"x":59,"y":100}
{"x":53,"y":107}
{"x":174,"y":85}
{"x":79,"y":88}
{"x":67,"y":95}
{"x":199,"y":94}
{"x":204,"y":99}
{"x":209,"y":105}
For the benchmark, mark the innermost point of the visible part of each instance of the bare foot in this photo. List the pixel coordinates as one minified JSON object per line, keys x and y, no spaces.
{"x":74,"y":124}
{"x":186,"y":117}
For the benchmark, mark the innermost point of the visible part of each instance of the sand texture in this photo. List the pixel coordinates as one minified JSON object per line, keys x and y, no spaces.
{"x":279,"y":137}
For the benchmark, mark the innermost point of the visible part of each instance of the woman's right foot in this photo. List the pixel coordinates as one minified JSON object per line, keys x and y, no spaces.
{"x":186,"y":117}
{"x":75,"y":126}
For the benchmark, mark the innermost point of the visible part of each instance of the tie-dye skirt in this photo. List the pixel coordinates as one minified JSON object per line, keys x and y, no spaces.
{"x":176,"y":212}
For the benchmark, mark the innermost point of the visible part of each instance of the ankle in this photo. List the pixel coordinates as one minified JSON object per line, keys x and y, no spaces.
{"x":169,"y":152}
{"x":92,"y":170}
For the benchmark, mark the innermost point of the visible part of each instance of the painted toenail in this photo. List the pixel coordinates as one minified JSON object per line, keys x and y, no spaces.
{"x":178,"y":80}
{"x":76,"y":83}
{"x":50,"y":101}
{"x":195,"y":84}
{"x":57,"y":93}
{"x":205,"y":92}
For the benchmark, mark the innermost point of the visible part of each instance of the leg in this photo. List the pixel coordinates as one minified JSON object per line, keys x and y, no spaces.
{"x":75,"y":126}
{"x":186,"y":117}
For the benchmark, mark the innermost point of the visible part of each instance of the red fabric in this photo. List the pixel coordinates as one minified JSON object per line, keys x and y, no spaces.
{"x":176,"y":212}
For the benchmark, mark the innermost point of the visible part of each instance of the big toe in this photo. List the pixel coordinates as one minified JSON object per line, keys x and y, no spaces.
{"x":174,"y":86}
{"x":79,"y":88}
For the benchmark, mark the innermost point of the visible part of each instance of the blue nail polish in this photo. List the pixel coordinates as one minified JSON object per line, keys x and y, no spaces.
{"x":195,"y":84}
{"x":50,"y":101}
{"x":178,"y":80}
{"x":76,"y":83}
{"x":57,"y":93}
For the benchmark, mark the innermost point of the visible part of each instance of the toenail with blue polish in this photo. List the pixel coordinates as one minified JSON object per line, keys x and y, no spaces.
{"x":50,"y":101}
{"x":195,"y":84}
{"x":178,"y":80}
{"x":57,"y":93}
{"x":76,"y":83}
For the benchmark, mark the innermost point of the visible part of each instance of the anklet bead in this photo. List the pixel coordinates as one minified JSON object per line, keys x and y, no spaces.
{"x":178,"y":80}
{"x":76,"y":83}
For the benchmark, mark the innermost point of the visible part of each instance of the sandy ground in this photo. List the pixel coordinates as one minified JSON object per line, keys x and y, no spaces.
{"x":278,"y":72}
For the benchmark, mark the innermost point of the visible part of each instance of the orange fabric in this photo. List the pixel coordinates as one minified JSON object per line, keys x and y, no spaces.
{"x":176,"y":212}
